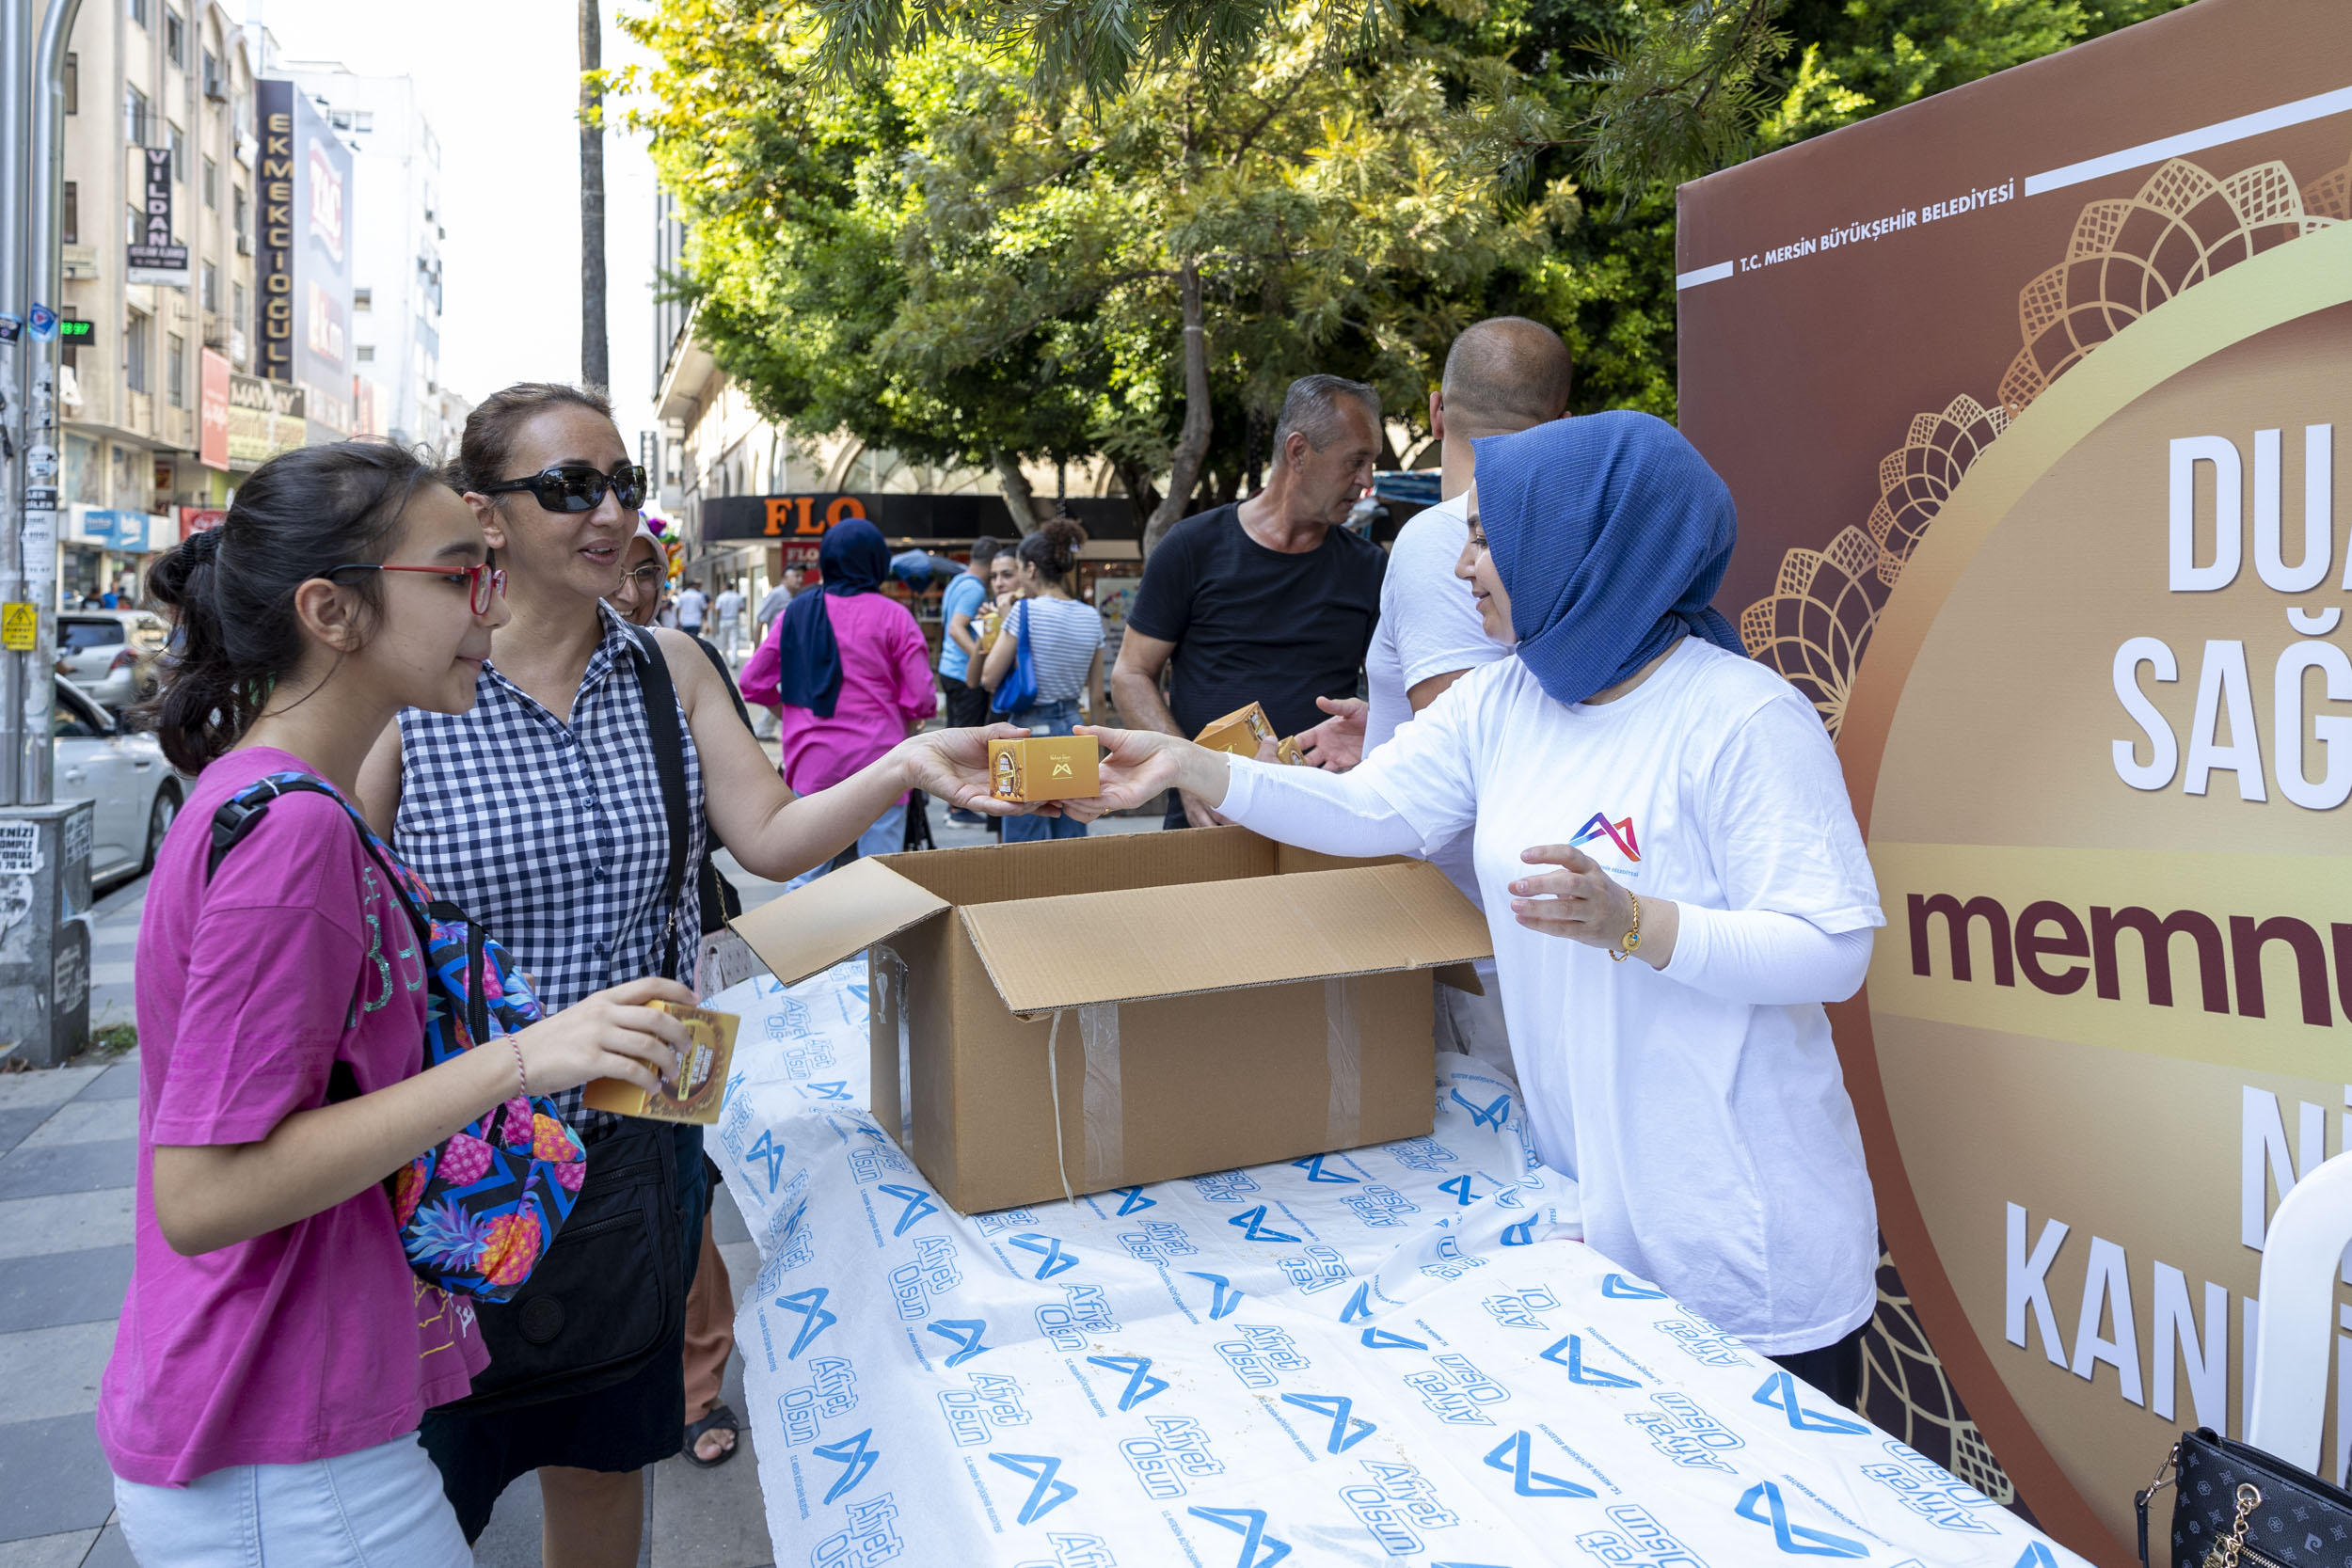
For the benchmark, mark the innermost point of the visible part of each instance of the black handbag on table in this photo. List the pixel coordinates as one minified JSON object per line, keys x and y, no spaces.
{"x":566,"y":1332}
{"x":2237,"y":1507}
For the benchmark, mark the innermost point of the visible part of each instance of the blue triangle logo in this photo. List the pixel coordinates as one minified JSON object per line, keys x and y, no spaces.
{"x":1048,"y":1494}
{"x":1347,"y":1429}
{"x":1380,"y":1339}
{"x":1579,"y":1372}
{"x":1141,"y":1385}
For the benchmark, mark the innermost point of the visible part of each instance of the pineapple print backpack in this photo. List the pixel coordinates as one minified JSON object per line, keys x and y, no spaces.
{"x":478,"y":1212}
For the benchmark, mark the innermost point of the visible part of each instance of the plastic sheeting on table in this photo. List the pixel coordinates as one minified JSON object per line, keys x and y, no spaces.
{"x":1393,"y":1355}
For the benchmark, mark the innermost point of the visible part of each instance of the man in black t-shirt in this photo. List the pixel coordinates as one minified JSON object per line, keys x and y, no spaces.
{"x":1267,"y":600}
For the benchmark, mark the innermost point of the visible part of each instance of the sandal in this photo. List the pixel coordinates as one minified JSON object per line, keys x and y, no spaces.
{"x":720,"y":1420}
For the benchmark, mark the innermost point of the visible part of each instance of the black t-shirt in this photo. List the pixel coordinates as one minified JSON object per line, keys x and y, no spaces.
{"x":1252,"y":624}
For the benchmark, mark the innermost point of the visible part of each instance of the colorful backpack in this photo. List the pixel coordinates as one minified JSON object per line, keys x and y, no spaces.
{"x":478,"y":1212}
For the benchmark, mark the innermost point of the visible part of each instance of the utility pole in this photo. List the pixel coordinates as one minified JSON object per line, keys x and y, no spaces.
{"x":596,"y":353}
{"x":44,"y":849}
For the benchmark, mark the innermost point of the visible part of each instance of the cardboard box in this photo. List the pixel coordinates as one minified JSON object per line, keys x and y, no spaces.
{"x":1045,"y":767}
{"x":1239,"y":732}
{"x":1092,"y":1013}
{"x":702,"y":1080}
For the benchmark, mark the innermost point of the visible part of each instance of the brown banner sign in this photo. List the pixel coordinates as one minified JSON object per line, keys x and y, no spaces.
{"x":2037,"y":399}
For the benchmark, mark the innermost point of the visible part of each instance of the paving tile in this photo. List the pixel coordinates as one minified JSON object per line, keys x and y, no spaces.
{"x":112,"y":1550}
{"x":51,"y":1372}
{"x":119,"y":1081}
{"x":57,"y":1479}
{"x":68,"y":1168}
{"x":44,"y":1086}
{"x":712,"y":1518}
{"x":60,"y":1288}
{"x":62,"y":1223}
{"x":69,"y":1550}
{"x":18,"y":1125}
{"x":727,"y":1220}
{"x":87,"y":1121}
{"x":112,"y":971}
{"x":742,"y":1261}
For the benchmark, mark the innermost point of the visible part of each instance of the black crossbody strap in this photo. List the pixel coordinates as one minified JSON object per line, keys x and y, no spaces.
{"x":669,"y":760}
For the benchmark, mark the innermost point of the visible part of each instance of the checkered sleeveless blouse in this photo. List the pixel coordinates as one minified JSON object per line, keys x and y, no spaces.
{"x":552,"y":834}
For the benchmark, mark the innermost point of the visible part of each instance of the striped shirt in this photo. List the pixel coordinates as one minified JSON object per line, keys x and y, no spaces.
{"x":1063,"y":636}
{"x":553,"y":834}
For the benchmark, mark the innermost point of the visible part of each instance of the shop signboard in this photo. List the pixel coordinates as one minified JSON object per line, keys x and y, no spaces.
{"x":195,"y":520}
{"x":302,"y":254}
{"x":154,"y":256}
{"x":125,"y":532}
{"x":804,"y":515}
{"x":265,"y":418}
{"x":2032,"y":398}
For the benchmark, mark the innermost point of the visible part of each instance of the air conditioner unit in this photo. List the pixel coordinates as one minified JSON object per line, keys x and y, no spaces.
{"x":244,"y":245}
{"x":215,"y":86}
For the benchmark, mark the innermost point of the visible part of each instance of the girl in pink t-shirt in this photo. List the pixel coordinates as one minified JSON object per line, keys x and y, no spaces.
{"x":275,"y":1353}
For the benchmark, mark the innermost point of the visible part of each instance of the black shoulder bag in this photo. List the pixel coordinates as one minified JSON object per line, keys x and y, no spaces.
{"x":610,"y":1296}
{"x":2237,"y":1507}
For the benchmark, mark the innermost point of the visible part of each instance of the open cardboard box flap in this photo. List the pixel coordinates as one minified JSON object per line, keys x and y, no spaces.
{"x":1183,"y":939}
{"x":837,"y":916}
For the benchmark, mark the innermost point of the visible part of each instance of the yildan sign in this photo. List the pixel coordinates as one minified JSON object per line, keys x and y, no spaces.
{"x":2033,"y":398}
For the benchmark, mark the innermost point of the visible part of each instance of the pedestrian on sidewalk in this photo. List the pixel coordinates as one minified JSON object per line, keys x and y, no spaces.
{"x":692,"y":604}
{"x":727,"y":611}
{"x":1065,"y":642}
{"x":966,"y":703}
{"x":567,"y":809}
{"x":847,"y":670}
{"x":275,"y":1353}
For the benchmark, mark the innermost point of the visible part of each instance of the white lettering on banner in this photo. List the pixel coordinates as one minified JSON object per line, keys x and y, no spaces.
{"x":2188,"y":1331}
{"x":2225,"y":679}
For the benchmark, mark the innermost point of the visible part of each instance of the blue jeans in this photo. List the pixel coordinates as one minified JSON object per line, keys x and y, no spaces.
{"x":887,"y":836}
{"x":1054,"y":717}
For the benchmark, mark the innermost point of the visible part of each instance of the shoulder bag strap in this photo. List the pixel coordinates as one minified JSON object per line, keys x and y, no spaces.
{"x":669,"y":759}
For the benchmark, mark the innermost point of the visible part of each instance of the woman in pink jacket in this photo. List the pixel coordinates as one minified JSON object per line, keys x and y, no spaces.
{"x":847,"y":670}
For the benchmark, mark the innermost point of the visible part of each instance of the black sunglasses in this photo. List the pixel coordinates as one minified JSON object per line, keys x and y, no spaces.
{"x":578,"y":488}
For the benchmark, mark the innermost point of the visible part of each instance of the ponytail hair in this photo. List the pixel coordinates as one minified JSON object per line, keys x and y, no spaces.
{"x":1052,"y":549}
{"x":230,"y":589}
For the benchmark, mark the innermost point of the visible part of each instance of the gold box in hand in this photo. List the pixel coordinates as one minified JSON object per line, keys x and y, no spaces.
{"x":702,"y":1076}
{"x":1045,"y":767}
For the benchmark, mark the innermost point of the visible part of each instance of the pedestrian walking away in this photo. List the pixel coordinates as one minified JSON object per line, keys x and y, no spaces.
{"x":276,"y":1353}
{"x":1267,"y":600}
{"x":1065,"y":642}
{"x":567,"y":808}
{"x":1673,"y":1054}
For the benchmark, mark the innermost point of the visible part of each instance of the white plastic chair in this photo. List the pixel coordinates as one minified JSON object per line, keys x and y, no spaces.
{"x":2301,"y":1255}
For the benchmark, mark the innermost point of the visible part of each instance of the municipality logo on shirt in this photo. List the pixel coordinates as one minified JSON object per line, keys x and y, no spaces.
{"x":1619,"y":832}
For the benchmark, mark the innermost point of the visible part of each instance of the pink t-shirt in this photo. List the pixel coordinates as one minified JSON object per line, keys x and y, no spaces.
{"x":316,"y":1339}
{"x":885,"y":685}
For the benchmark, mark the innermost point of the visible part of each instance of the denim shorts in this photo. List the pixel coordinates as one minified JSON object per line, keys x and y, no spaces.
{"x":379,"y":1507}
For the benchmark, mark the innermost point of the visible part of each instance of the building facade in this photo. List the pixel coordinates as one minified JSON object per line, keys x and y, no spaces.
{"x":160,"y":156}
{"x":397,"y":229}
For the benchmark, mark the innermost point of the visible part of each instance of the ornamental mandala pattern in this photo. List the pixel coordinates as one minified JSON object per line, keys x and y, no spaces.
{"x":2124,"y":258}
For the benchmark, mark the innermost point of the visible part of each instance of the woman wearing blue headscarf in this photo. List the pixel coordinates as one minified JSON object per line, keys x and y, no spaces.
{"x":1640,"y":788}
{"x":848,"y":672}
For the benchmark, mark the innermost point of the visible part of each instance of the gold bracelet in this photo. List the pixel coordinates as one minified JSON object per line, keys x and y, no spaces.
{"x":1634,"y":934}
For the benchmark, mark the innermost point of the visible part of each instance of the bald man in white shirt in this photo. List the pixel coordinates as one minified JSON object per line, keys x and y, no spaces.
{"x":1501,"y":375}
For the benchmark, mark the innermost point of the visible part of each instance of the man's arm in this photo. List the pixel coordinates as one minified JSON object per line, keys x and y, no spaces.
{"x":1136,"y":682}
{"x":960,"y":631}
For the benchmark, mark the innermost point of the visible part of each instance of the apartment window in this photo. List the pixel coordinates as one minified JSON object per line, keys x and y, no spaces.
{"x":363,"y":300}
{"x":138,"y":11}
{"x":236,"y":315}
{"x":136,"y":351}
{"x":211,"y":287}
{"x":176,"y":371}
{"x":134,"y":115}
{"x":73,"y":213}
{"x":73,"y":83}
{"x":178,"y":142}
{"x":212,"y":184}
{"x":238,"y":208}
{"x":363,"y":120}
{"x":214,"y":86}
{"x":176,"y":37}
{"x":133,"y":224}
{"x":367,"y":353}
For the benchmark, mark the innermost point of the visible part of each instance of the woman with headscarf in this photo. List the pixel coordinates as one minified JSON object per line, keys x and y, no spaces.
{"x":1676,"y":811}
{"x":849,"y":672}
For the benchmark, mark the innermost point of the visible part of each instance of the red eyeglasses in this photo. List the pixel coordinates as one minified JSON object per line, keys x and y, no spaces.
{"x":484,"y":583}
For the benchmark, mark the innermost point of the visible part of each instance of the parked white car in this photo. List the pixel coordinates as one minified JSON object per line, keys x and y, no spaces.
{"x":110,"y":653}
{"x":134,"y":791}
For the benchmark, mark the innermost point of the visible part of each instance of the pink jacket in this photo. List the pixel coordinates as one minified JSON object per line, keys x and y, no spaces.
{"x":885,"y":686}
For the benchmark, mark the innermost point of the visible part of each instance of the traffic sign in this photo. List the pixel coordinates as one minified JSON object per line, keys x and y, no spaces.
{"x":19,"y":623}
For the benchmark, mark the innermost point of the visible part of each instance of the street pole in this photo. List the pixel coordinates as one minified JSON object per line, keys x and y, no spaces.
{"x":44,"y":848}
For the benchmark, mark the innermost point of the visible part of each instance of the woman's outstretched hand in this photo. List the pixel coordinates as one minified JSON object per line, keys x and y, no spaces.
{"x":951,"y":767}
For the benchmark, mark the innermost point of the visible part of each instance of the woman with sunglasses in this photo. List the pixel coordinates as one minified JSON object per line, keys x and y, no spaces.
{"x":275,"y":1353}
{"x":544,"y":813}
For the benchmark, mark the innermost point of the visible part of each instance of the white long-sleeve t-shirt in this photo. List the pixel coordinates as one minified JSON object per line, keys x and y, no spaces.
{"x":1700,"y":1107}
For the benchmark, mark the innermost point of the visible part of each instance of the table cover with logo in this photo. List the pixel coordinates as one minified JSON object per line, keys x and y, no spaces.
{"x":1398,"y":1353}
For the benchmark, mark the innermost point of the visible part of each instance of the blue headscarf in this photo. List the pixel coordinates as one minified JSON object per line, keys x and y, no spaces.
{"x":1611,"y":534}
{"x":852,"y":560}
